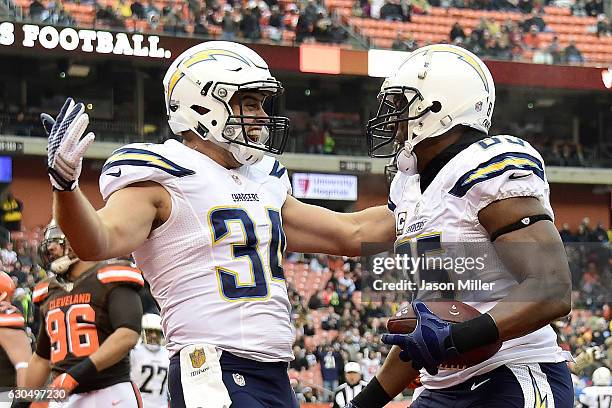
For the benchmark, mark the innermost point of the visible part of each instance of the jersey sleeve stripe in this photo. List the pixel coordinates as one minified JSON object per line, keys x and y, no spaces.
{"x":141,"y":157}
{"x":278,"y":170}
{"x":495,"y":167}
{"x":111,"y":275}
{"x":11,"y":320}
{"x":40,"y":292}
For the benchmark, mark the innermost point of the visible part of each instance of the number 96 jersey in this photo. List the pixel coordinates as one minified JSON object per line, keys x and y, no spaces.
{"x":438,"y":215}
{"x":76,"y":320}
{"x":215,"y":265}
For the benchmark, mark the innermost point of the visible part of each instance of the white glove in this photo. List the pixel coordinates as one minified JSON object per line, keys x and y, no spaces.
{"x":66,"y":148}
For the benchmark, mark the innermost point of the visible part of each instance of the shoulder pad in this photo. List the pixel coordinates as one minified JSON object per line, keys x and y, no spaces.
{"x":41,"y":290}
{"x":10,"y":316}
{"x":270,"y":167}
{"x":120,"y":274}
{"x":140,"y":162}
{"x":494,"y":157}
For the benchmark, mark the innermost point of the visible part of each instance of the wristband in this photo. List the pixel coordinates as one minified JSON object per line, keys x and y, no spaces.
{"x":82,"y":370}
{"x":474,"y":333}
{"x":372,"y":396}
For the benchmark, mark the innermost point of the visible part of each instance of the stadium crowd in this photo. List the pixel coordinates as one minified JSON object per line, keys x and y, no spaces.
{"x":316,"y":20}
{"x":334,"y":326}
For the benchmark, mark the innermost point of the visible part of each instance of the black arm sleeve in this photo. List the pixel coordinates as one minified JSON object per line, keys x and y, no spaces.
{"x":125,"y":308}
{"x":43,"y":344}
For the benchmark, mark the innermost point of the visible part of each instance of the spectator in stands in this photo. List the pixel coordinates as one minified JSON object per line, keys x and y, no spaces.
{"x":532,"y":40}
{"x":304,"y":29}
{"x":392,"y":11}
{"x":594,"y":8}
{"x":353,"y":386}
{"x":249,"y":26}
{"x":457,"y":32}
{"x":542,"y":55}
{"x":8,"y":255}
{"x":404,"y":42}
{"x":308,"y":395}
{"x":151,"y":11}
{"x":123,"y":9}
{"x":275,"y":24}
{"x":12,"y":209}
{"x":554,"y":48}
{"x":603,"y":25}
{"x":578,"y":8}
{"x":36,"y":11}
{"x":331,"y":363}
{"x":525,"y":6}
{"x":299,"y":363}
{"x":370,"y":364}
{"x":138,"y":10}
{"x":566,"y":234}
{"x":535,"y":20}
{"x":173,"y":22}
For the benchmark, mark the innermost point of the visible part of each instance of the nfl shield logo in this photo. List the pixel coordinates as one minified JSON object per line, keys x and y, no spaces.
{"x":239,"y":379}
{"x":478,"y":106}
{"x":198,"y":357}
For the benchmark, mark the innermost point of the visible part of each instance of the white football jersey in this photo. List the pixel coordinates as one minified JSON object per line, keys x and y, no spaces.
{"x":149,"y":371}
{"x":215,"y":266}
{"x":492,"y":169}
{"x":597,"y":397}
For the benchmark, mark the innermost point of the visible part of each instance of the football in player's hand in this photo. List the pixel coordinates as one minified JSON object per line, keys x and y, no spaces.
{"x":453,"y":311}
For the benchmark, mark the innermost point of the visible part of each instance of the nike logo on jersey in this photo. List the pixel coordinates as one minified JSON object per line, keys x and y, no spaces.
{"x":475,"y":385}
{"x":116,"y":174}
{"x":515,"y":176}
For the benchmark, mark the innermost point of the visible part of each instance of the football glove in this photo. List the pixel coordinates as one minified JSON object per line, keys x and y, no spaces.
{"x":65,"y":147}
{"x":429,"y":345}
{"x":64,"y":381}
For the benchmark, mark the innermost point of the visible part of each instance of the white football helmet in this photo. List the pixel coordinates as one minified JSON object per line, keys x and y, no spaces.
{"x":601,"y":376}
{"x":151,"y":336}
{"x":198,"y":87}
{"x":435,"y":89}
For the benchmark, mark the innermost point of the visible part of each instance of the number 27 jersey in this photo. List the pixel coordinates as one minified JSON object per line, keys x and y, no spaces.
{"x":215,"y":265}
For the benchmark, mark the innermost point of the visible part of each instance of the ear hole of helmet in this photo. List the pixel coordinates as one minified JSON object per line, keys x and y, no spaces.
{"x":435,"y":107}
{"x":200,"y":109}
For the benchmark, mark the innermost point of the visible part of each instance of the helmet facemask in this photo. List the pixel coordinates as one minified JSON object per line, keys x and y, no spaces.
{"x":250,"y":130}
{"x":398,"y":104}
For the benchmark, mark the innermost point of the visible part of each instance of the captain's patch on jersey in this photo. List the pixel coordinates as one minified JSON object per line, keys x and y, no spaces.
{"x":141,"y":157}
{"x":495,"y":167}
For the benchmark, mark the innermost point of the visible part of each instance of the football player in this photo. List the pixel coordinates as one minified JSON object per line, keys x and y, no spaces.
{"x":599,"y":395}
{"x":149,"y":362}
{"x":15,"y":350}
{"x":203,"y":221}
{"x":91,"y":315}
{"x":457,"y":184}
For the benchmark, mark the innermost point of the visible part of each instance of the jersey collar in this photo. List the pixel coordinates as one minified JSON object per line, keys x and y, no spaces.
{"x":432,"y":168}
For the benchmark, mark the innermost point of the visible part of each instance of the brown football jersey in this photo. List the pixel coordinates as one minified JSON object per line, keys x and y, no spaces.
{"x":76,"y":320}
{"x":10,"y":319}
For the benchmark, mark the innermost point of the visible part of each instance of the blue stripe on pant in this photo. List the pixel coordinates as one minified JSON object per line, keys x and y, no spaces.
{"x":500,"y":389}
{"x":266,"y":385}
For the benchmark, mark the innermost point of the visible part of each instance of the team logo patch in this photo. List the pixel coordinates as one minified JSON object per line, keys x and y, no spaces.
{"x":198,"y":357}
{"x":239,"y":379}
{"x":525,"y":221}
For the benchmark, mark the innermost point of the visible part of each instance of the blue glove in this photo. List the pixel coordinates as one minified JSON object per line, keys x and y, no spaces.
{"x":429,"y":345}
